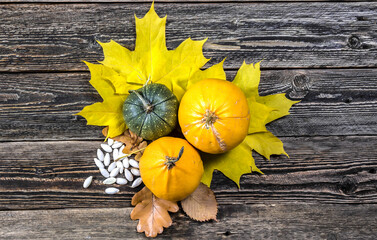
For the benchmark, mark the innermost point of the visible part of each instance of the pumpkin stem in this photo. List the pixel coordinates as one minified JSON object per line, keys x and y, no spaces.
{"x":209,"y":118}
{"x":170,"y":161}
{"x":147,"y":106}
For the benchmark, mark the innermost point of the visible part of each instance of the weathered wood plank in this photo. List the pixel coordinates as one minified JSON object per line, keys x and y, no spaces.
{"x":162,"y":1}
{"x":238,"y":221}
{"x":43,"y":175}
{"x":57,"y":37}
{"x":334,"y":102}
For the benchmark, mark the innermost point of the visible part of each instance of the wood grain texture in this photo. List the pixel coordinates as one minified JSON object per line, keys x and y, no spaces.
{"x":334,"y":102}
{"x":165,"y":1}
{"x":44,"y":175}
{"x":237,"y":221}
{"x":327,"y":189}
{"x":56,"y":37}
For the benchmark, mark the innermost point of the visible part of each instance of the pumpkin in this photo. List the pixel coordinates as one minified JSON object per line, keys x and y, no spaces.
{"x":214,"y":115}
{"x":151,"y":111}
{"x":171,"y":168}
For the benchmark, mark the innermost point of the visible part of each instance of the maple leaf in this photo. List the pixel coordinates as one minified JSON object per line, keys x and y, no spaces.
{"x":266,"y":144}
{"x":201,"y":205}
{"x":263,"y":110}
{"x":152,"y":212}
{"x":232,"y":164}
{"x":151,"y":62}
{"x":109,"y":112}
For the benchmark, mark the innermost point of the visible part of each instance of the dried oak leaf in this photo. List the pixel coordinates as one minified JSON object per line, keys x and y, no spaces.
{"x":132,"y":142}
{"x":201,"y":205}
{"x":152,"y":212}
{"x":140,"y":148}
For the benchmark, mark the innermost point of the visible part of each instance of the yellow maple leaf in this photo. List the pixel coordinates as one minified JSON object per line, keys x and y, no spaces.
{"x":151,"y":62}
{"x":232,"y":164}
{"x":108,"y":112}
{"x":263,"y":109}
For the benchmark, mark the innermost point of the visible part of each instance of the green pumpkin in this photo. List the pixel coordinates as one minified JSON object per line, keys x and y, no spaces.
{"x":151,"y":111}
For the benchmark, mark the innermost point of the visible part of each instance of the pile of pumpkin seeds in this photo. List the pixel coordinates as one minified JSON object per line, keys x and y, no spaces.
{"x":121,"y":170}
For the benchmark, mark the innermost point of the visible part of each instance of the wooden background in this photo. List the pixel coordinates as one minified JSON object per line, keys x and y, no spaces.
{"x":323,"y":53}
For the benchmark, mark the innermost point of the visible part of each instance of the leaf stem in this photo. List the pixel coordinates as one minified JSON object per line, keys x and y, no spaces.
{"x":148,"y":80}
{"x":129,"y":154}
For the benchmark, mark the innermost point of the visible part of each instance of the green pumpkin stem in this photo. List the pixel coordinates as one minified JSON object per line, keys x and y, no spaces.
{"x":147,"y":106}
{"x":170,"y":161}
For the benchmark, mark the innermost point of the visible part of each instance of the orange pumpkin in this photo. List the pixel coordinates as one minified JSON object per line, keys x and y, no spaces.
{"x":171,"y":168}
{"x":214,"y":115}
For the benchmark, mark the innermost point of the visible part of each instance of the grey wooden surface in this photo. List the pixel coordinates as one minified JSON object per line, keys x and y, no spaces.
{"x":321,"y":53}
{"x":56,"y":37}
{"x":238,"y":221}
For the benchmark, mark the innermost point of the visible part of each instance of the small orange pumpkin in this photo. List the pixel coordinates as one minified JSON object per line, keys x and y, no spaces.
{"x":171,"y":168}
{"x":214,"y":115}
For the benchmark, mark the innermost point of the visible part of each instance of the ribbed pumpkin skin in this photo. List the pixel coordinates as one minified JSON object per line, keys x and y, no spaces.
{"x":228,"y":106}
{"x":178,"y":182}
{"x":158,"y":122}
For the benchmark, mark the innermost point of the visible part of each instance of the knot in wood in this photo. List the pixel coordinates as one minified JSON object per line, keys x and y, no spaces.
{"x":354,"y":42}
{"x":300,"y":86}
{"x":348,"y":185}
{"x":45,"y":172}
{"x":301,"y":82}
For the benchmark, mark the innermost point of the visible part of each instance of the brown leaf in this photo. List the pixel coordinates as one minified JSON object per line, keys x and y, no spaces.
{"x":152,"y":212}
{"x":141,"y":147}
{"x":132,"y":142}
{"x":201,"y":205}
{"x":127,"y":137}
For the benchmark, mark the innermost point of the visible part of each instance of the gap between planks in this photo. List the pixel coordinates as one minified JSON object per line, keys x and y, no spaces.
{"x":320,"y":169}
{"x":333,"y":102}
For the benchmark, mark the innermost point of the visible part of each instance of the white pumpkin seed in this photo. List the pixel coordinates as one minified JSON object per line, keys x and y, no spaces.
{"x":98,"y":163}
{"x":121,"y":148}
{"x":106,"y":147}
{"x":104,"y":172}
{"x":133,"y":163}
{"x":115,"y":154}
{"x":125,"y":163}
{"x":137,"y":182}
{"x":110,"y":141}
{"x":106,"y":159}
{"x":112,"y":166}
{"x":114,"y":172}
{"x":120,"y":166}
{"x":128,"y":175}
{"x":100,"y":155}
{"x":121,"y":181}
{"x":135,"y":172}
{"x":111,"y":190}
{"x":110,"y":180}
{"x":117,"y":144}
{"x":87,"y":182}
